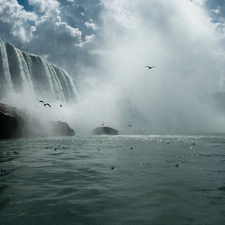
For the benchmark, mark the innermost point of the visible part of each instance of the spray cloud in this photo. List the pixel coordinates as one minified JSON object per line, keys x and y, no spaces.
{"x":179,"y":39}
{"x":111,"y":52}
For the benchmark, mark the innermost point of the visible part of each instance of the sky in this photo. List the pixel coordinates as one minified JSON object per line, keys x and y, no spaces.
{"x":105,"y":45}
{"x":70,"y":33}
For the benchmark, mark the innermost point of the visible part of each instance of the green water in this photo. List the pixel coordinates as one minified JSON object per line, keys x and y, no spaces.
{"x":113,"y":180}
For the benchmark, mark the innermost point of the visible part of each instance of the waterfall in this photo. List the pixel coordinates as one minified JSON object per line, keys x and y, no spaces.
{"x":21,"y":71}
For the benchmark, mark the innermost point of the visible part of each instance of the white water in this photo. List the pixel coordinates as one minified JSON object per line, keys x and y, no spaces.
{"x":26,"y":73}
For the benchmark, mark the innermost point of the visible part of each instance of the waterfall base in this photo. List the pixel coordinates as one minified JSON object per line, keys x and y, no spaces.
{"x":17,"y":124}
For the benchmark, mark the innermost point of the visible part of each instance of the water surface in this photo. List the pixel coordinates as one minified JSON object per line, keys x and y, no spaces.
{"x":113,"y":180}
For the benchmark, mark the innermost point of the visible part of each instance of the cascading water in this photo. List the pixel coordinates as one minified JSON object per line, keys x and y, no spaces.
{"x":21,"y":71}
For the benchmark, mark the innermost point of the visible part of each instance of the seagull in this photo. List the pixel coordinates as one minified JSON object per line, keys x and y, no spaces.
{"x":47,"y":104}
{"x":42,"y":101}
{"x":150,"y":67}
{"x":60,"y":105}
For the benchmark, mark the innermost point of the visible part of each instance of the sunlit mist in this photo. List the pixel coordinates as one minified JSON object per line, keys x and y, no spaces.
{"x":175,"y":36}
{"x":114,"y":85}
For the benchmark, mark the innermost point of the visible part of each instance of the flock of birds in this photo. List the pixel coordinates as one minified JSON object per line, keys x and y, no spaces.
{"x":103,"y":123}
{"x":47,"y":104}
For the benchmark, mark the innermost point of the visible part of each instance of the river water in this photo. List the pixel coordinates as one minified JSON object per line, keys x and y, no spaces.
{"x":113,"y":180}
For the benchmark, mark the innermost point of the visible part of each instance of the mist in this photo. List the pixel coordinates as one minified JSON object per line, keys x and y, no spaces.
{"x":116,"y":87}
{"x":179,"y":39}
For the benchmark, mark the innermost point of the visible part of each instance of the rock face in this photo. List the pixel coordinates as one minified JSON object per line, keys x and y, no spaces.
{"x":60,"y":129}
{"x":17,"y":124}
{"x":9,"y":126}
{"x":105,"y":130}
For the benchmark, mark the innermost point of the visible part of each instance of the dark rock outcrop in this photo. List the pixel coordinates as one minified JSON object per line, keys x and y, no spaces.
{"x":17,"y":124}
{"x":60,"y":129}
{"x":9,"y":126}
{"x":105,"y":130}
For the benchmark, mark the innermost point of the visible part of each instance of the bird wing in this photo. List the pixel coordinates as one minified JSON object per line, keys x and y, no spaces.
{"x":149,"y":67}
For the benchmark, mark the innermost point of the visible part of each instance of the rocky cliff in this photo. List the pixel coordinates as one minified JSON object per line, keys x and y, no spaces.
{"x":15,"y":123}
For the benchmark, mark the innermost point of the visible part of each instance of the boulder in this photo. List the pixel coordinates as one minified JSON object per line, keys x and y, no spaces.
{"x":105,"y":130}
{"x":60,"y":129}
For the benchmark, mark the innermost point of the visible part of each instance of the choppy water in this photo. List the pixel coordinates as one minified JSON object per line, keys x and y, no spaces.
{"x":113,"y":180}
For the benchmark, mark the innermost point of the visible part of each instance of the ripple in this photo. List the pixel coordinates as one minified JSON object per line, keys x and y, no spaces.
{"x":76,"y":185}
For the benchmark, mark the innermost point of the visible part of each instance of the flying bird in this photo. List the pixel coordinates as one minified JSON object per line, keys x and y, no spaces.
{"x":47,"y":104}
{"x":150,"y":67}
{"x":60,"y":105}
{"x":42,"y":101}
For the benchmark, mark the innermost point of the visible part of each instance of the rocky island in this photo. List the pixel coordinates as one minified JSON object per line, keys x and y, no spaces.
{"x":105,"y":130}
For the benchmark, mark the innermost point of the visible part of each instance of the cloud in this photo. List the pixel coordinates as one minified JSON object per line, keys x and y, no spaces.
{"x":17,"y":22}
{"x":105,"y":46}
{"x":44,"y":6}
{"x":180,"y":39}
{"x":87,"y":40}
{"x":200,"y":2}
{"x":52,"y":28}
{"x":91,"y":25}
{"x":65,"y":29}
